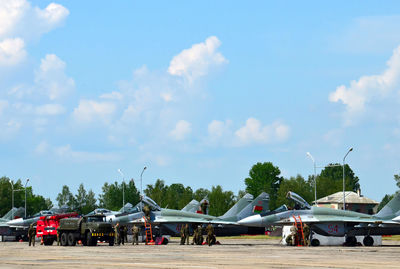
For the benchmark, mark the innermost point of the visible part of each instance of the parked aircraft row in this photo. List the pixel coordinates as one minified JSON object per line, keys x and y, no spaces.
{"x":334,"y":222}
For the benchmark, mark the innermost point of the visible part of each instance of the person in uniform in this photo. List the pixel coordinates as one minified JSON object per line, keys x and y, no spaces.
{"x":58,"y":238}
{"x":293,"y":235}
{"x":194,"y":236}
{"x":125,"y":234}
{"x":200,"y":238}
{"x":306,"y":233}
{"x":117,"y":239}
{"x":183,"y":235}
{"x":210,"y":235}
{"x":146,"y":210}
{"x":204,"y":207}
{"x":186,"y":233}
{"x":122,"y":234}
{"x":135,"y":235}
{"x":31,"y":235}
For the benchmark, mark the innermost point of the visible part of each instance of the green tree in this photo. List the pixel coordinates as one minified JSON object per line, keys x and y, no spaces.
{"x":177,"y":196}
{"x":157,"y":192}
{"x":85,"y":201}
{"x":389,"y":197}
{"x":220,"y":201}
{"x":331,"y":180}
{"x":298,"y":185}
{"x":200,"y":194}
{"x":131,"y":193}
{"x":264,"y":177}
{"x":65,"y":197}
{"x":111,"y":198}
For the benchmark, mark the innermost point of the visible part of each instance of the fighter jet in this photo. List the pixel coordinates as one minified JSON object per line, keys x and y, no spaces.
{"x":171,"y":219}
{"x":24,"y":223}
{"x":334,"y":222}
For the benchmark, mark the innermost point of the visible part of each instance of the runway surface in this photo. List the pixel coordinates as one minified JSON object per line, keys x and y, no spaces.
{"x":232,"y":253}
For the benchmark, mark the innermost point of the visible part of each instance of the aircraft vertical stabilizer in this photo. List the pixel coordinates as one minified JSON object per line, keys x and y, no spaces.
{"x":391,"y":209}
{"x":239,"y":206}
{"x":260,"y":205}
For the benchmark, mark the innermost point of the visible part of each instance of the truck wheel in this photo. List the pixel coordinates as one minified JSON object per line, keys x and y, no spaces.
{"x":71,"y":239}
{"x":111,"y":241}
{"x":64,"y":240}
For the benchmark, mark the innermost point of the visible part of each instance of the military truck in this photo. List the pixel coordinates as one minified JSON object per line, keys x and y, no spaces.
{"x":88,"y":229}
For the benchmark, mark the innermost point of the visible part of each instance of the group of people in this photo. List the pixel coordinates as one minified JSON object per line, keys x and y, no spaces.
{"x":295,"y":238}
{"x":198,"y":235}
{"x":121,"y":234}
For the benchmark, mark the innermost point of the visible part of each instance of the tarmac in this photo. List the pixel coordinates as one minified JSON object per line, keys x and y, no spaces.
{"x":232,"y":253}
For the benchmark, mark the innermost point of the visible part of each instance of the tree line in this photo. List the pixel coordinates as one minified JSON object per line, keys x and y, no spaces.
{"x":263,"y":177}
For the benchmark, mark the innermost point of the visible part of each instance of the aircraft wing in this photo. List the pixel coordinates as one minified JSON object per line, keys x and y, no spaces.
{"x":176,"y":219}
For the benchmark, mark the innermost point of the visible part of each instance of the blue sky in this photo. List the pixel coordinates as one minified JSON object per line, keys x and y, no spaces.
{"x":197,"y":92}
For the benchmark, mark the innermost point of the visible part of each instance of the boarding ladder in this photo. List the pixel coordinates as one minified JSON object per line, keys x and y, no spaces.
{"x":300,"y":235}
{"x":148,"y":232}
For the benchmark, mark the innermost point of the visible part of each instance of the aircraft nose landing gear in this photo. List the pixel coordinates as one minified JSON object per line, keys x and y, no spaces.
{"x":368,"y":241}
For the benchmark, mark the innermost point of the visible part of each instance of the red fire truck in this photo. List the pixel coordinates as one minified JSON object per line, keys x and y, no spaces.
{"x":46,"y":226}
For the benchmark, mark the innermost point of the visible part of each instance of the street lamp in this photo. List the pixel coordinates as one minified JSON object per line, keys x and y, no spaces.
{"x":12,"y":198}
{"x":123,"y":189}
{"x":315,"y":176}
{"x":344,"y":196}
{"x":25,"y":194}
{"x":141,"y":185}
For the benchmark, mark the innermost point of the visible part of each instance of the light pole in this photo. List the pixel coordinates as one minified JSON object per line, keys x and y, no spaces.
{"x":25,"y":194}
{"x":344,"y":195}
{"x":315,"y":176}
{"x":12,"y":198}
{"x":123,"y":190}
{"x":141,"y":185}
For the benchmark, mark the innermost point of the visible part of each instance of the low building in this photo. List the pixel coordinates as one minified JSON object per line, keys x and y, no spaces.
{"x":354,"y":202}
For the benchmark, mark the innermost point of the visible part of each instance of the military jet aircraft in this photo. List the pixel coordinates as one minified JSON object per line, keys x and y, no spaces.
{"x":24,"y":223}
{"x":170,"y":219}
{"x":334,"y":222}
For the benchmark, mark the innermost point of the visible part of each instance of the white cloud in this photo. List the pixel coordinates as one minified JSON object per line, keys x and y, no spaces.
{"x":219,"y":129}
{"x":66,"y":152}
{"x":112,"y":95}
{"x":167,"y":97}
{"x":19,"y":19}
{"x":368,"y":88}
{"x":93,"y":111}
{"x":42,"y":148}
{"x":254,"y":132}
{"x":50,"y":110}
{"x":181,"y":130}
{"x":12,"y":51}
{"x":3,"y":106}
{"x":51,"y":78}
{"x":198,"y":60}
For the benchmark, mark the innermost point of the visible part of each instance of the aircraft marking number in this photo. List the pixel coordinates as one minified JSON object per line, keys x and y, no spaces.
{"x":333,"y":228}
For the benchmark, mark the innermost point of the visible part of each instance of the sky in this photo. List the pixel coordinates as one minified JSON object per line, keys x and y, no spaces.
{"x":197,"y":92}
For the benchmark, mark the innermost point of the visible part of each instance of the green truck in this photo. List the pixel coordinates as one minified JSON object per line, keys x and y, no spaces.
{"x":88,"y":229}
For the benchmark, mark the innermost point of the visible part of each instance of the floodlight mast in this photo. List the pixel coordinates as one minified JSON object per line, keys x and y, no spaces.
{"x":344,"y":195}
{"x":123,"y":189}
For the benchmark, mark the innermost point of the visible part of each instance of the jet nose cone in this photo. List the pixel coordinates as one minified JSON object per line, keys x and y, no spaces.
{"x":253,"y":221}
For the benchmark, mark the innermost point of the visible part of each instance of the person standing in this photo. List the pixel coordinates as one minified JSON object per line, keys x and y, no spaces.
{"x":200,"y":238}
{"x":135,"y":235}
{"x":58,"y":238}
{"x":117,"y":239}
{"x":122,"y":234}
{"x":195,"y":236}
{"x":32,"y":235}
{"x":126,"y":234}
{"x":306,"y":233}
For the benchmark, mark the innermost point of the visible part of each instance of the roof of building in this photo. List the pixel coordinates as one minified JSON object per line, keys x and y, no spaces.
{"x":351,"y":198}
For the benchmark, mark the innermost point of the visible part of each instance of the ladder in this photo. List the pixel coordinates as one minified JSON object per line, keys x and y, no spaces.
{"x":300,"y":235}
{"x":148,"y":232}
